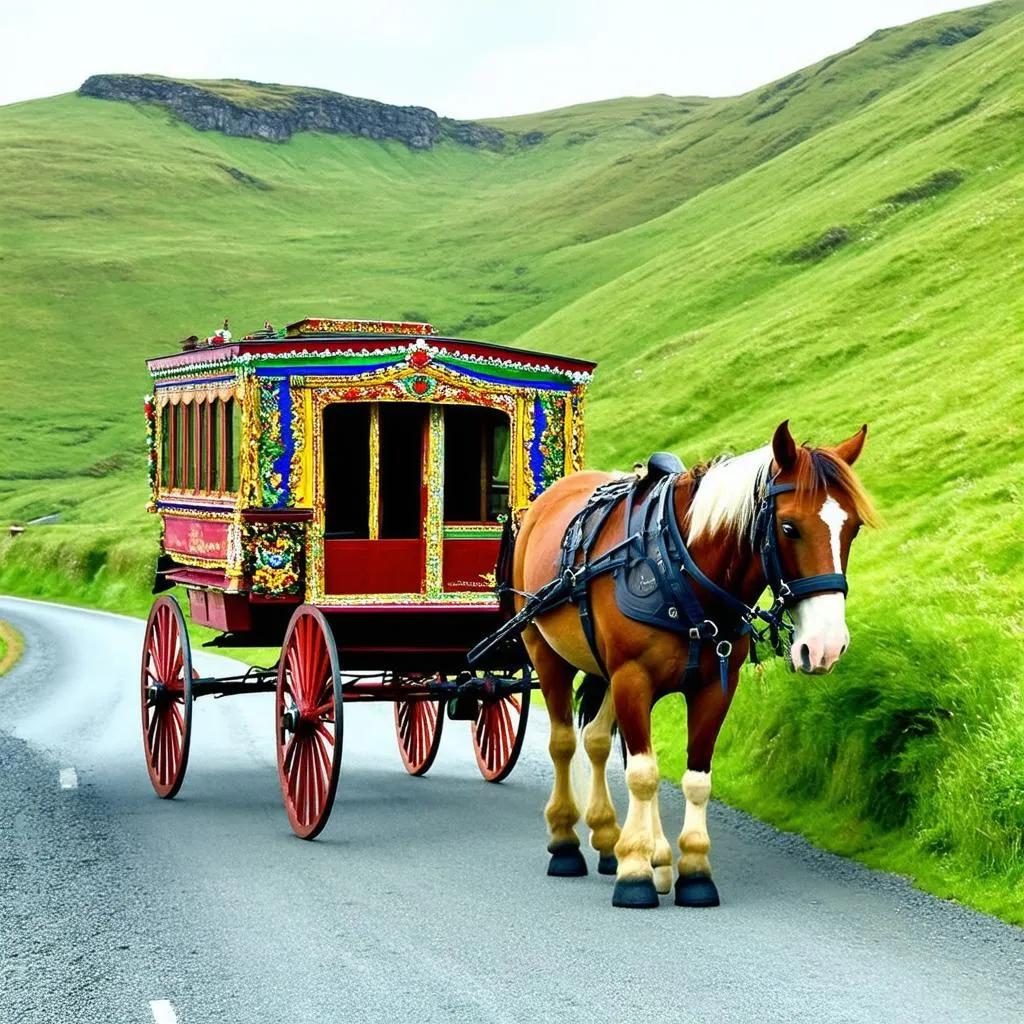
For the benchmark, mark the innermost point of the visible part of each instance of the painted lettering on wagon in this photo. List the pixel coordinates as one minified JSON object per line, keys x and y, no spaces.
{"x":201,"y":538}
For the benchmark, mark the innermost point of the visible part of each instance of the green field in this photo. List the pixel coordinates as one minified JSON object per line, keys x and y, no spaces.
{"x":845,"y":245}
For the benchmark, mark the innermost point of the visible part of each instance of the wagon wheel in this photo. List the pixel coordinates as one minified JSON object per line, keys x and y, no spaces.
{"x":308,"y":717}
{"x":499,"y":730}
{"x":166,"y":696}
{"x":418,"y":725}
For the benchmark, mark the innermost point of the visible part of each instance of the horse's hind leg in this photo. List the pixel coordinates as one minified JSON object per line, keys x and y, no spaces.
{"x":600,"y":818}
{"x":556,"y":677}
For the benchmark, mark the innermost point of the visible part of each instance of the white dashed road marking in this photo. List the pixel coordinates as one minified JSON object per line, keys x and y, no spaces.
{"x":163,"y":1012}
{"x":68,"y":778}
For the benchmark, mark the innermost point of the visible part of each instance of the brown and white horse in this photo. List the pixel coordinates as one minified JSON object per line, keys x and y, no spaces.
{"x":819,"y":511}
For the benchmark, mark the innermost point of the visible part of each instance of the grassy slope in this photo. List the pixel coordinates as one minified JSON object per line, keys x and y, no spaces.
{"x":660,"y":246}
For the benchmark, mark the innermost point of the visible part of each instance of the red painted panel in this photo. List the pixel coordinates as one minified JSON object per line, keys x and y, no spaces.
{"x":226,"y":612}
{"x":203,"y":538}
{"x":373,"y":566}
{"x":468,"y":561}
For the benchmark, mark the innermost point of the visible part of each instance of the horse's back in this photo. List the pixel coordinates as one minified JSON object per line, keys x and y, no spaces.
{"x":539,"y":543}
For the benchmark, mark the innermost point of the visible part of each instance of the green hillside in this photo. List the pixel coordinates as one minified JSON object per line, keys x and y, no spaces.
{"x":844,"y":245}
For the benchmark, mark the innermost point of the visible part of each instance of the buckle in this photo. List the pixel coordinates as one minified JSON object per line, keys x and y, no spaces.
{"x":696,"y":632}
{"x":723,"y":649}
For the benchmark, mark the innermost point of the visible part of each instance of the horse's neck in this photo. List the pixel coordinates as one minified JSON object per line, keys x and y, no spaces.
{"x":724,"y":557}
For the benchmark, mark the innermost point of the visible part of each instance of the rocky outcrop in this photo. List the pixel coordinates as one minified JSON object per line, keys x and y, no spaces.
{"x":297,"y":111}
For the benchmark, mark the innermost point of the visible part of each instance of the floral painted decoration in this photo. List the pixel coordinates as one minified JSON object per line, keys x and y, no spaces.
{"x":419,"y":354}
{"x":274,"y":556}
{"x":271,"y":443}
{"x":149,"y":404}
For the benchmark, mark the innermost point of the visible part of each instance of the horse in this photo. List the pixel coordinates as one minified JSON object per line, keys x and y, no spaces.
{"x":784,"y":516}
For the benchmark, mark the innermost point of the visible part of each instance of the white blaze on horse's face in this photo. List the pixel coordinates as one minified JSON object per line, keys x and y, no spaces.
{"x":820,"y":637}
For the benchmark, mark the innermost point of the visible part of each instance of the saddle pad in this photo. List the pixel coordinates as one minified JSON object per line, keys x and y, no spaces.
{"x":648,"y":587}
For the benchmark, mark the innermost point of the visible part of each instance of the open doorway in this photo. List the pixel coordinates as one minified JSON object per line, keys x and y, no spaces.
{"x":476,"y":464}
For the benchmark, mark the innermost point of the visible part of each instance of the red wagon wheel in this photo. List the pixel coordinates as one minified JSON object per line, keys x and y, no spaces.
{"x":166,"y":696}
{"x":498,"y":733}
{"x":308,"y":716}
{"x":418,"y":725}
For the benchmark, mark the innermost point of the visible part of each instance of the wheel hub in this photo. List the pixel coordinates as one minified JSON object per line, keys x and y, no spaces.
{"x":291,"y":718}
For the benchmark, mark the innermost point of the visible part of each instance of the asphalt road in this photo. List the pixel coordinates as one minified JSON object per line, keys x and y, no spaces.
{"x":424,"y":899}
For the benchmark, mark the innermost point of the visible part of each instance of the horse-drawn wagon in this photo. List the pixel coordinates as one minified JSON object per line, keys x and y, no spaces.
{"x":340,"y":489}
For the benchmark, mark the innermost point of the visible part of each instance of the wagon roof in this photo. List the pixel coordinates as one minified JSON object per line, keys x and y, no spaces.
{"x":341,"y":340}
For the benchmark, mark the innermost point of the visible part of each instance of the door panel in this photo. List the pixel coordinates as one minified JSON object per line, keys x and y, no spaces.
{"x":468,"y":564}
{"x":373,"y":566}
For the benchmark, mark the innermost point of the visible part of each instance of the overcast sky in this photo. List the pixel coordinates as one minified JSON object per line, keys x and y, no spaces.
{"x":463,"y":59}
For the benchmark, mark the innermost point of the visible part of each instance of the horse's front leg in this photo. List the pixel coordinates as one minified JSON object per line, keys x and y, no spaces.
{"x":705,"y":712}
{"x":632,"y":692}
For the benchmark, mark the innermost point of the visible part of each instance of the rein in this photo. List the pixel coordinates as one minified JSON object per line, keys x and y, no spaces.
{"x":572,"y":583}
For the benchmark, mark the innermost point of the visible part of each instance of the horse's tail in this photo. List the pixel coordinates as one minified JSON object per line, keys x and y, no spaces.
{"x":503,"y":569}
{"x":589,"y":697}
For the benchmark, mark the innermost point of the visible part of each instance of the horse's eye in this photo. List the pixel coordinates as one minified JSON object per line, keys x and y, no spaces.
{"x":790,"y":530}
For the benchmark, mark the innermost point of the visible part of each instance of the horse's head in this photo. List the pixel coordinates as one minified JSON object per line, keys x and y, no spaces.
{"x":815,"y":523}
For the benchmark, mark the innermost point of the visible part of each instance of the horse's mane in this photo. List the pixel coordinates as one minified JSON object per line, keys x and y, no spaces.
{"x":727,"y":490}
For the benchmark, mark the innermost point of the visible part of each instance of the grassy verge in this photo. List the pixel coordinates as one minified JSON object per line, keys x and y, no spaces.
{"x":11,"y":647}
{"x":910,"y":757}
{"x":104,"y":568}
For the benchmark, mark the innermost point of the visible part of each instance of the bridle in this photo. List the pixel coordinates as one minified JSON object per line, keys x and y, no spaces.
{"x":767,"y":541}
{"x":764,"y":624}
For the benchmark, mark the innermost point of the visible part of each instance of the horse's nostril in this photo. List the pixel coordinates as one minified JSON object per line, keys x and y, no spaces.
{"x":805,"y":657}
{"x":842,"y":650}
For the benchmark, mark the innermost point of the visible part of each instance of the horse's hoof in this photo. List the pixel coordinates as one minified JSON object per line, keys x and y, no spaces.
{"x":663,"y":879}
{"x":567,"y":862}
{"x":696,"y":891}
{"x":635,"y":892}
{"x":608,"y":864}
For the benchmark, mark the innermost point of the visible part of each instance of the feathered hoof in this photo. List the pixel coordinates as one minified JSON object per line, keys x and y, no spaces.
{"x":696,"y":891}
{"x":608,"y":864}
{"x":567,"y":862}
{"x":636,"y":893}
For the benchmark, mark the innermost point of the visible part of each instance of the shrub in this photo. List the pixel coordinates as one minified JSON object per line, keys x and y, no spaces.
{"x":824,"y":245}
{"x":939,"y":182}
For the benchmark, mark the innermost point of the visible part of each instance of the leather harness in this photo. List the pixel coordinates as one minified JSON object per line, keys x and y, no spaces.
{"x":656,"y":576}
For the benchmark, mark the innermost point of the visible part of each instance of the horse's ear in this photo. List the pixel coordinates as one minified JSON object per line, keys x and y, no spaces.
{"x":784,"y":447}
{"x":850,"y":449}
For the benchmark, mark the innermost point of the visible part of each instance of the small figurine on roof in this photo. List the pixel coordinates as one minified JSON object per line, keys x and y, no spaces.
{"x":221,"y":337}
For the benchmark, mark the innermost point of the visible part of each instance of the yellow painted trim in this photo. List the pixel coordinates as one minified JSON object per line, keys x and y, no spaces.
{"x":374,"y":497}
{"x":433,"y":527}
{"x":195,"y":561}
{"x":457,"y":599}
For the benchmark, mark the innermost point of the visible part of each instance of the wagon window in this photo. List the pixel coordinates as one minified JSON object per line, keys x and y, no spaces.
{"x":346,"y":471}
{"x":476,"y":464}
{"x":178,"y":465}
{"x":216,"y":469}
{"x":203,"y":413}
{"x":165,"y":447}
{"x":189,"y":438}
{"x":232,"y":436}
